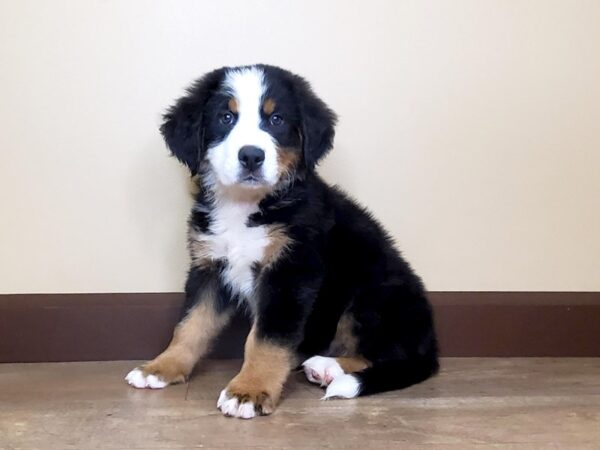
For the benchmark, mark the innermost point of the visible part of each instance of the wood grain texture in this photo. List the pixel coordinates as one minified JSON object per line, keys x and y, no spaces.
{"x":473,"y":403}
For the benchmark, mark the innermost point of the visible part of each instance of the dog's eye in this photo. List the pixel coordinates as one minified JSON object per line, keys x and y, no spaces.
{"x":276,"y":120}
{"x":227,"y":118}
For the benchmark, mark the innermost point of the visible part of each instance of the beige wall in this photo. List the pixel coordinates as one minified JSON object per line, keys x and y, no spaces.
{"x":471,"y":129}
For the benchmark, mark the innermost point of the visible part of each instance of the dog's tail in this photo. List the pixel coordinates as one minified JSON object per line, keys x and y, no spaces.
{"x":383,"y":376}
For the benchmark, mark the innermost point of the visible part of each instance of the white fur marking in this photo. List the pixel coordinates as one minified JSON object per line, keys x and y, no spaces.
{"x":345,"y":386}
{"x":137,"y":379}
{"x":322,"y":370}
{"x":233,"y":240}
{"x":246,"y":410}
{"x":222,"y":397}
{"x":248,"y":87}
{"x":231,"y":406}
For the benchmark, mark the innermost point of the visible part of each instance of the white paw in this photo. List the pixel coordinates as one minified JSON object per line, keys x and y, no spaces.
{"x":137,"y":379}
{"x":344,"y":386}
{"x":322,"y":370}
{"x":231,"y":407}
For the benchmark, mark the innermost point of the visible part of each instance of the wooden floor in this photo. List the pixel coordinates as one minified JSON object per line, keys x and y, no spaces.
{"x":473,"y":403}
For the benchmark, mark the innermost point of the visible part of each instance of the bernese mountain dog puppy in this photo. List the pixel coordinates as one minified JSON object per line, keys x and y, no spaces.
{"x":319,"y":276}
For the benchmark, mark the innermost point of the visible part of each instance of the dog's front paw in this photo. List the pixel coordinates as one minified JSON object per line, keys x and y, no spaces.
{"x":156,"y":374}
{"x":140,"y":379}
{"x":245,"y":405}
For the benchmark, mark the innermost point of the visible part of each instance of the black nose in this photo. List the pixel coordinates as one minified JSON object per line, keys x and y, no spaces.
{"x":251,"y":157}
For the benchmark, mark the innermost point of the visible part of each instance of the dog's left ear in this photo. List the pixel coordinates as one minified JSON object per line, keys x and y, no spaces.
{"x":318,"y":124}
{"x":182,"y":128}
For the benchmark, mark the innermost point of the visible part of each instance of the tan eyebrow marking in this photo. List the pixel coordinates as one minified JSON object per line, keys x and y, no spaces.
{"x":233,"y":105}
{"x":269,"y":106}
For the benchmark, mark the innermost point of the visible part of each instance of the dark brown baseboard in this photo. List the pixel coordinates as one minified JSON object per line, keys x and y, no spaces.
{"x":97,"y":327}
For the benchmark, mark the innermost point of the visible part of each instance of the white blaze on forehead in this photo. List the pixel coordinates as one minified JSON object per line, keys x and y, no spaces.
{"x":248,"y":87}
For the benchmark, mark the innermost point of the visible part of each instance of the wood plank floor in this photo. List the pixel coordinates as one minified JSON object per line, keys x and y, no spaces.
{"x":473,"y":403}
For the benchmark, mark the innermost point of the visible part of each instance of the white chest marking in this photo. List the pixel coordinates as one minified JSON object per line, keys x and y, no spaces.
{"x":241,"y":246}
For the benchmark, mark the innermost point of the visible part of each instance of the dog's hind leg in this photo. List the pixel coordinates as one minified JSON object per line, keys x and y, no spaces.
{"x":398,"y":340}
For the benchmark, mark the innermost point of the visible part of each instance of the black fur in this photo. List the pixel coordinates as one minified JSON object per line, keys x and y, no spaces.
{"x":341,"y":260}
{"x":345,"y":262}
{"x":183,"y":127}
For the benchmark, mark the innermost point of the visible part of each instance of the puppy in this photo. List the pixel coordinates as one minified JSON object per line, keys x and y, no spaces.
{"x":318,"y":275}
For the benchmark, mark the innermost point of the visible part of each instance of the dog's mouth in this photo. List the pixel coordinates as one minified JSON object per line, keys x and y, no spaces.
{"x":252,"y":180}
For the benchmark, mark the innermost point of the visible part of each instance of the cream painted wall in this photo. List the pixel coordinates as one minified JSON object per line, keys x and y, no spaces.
{"x":471,"y":129}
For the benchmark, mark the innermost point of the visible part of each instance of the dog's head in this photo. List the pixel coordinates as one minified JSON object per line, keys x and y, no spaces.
{"x":252,"y":127}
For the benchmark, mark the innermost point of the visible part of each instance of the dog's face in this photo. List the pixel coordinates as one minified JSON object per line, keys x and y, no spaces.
{"x":252,"y":130}
{"x":251,"y":127}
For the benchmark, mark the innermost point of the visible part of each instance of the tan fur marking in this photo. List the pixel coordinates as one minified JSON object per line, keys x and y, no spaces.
{"x":351,"y":364}
{"x":191,"y":340}
{"x":344,"y":341}
{"x":200,"y":250}
{"x":233,"y":105}
{"x":241,"y":194}
{"x":279,"y":241}
{"x":265,"y":370}
{"x":287,"y":159}
{"x":269,"y":106}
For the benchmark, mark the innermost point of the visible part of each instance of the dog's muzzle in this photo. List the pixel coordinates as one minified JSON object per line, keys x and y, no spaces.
{"x":251,"y":158}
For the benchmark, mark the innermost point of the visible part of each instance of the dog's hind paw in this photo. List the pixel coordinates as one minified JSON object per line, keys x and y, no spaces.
{"x":344,"y":386}
{"x":322,"y":370}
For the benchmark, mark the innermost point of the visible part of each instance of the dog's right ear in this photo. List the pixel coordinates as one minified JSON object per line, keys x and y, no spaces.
{"x":182,"y":128}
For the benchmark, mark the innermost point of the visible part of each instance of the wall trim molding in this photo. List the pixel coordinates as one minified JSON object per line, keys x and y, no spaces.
{"x":111,"y":326}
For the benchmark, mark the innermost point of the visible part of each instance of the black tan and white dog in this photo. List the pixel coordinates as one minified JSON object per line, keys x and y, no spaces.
{"x":318,"y":275}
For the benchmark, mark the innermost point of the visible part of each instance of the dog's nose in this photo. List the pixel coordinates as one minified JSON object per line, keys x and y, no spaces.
{"x":251,"y":157}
